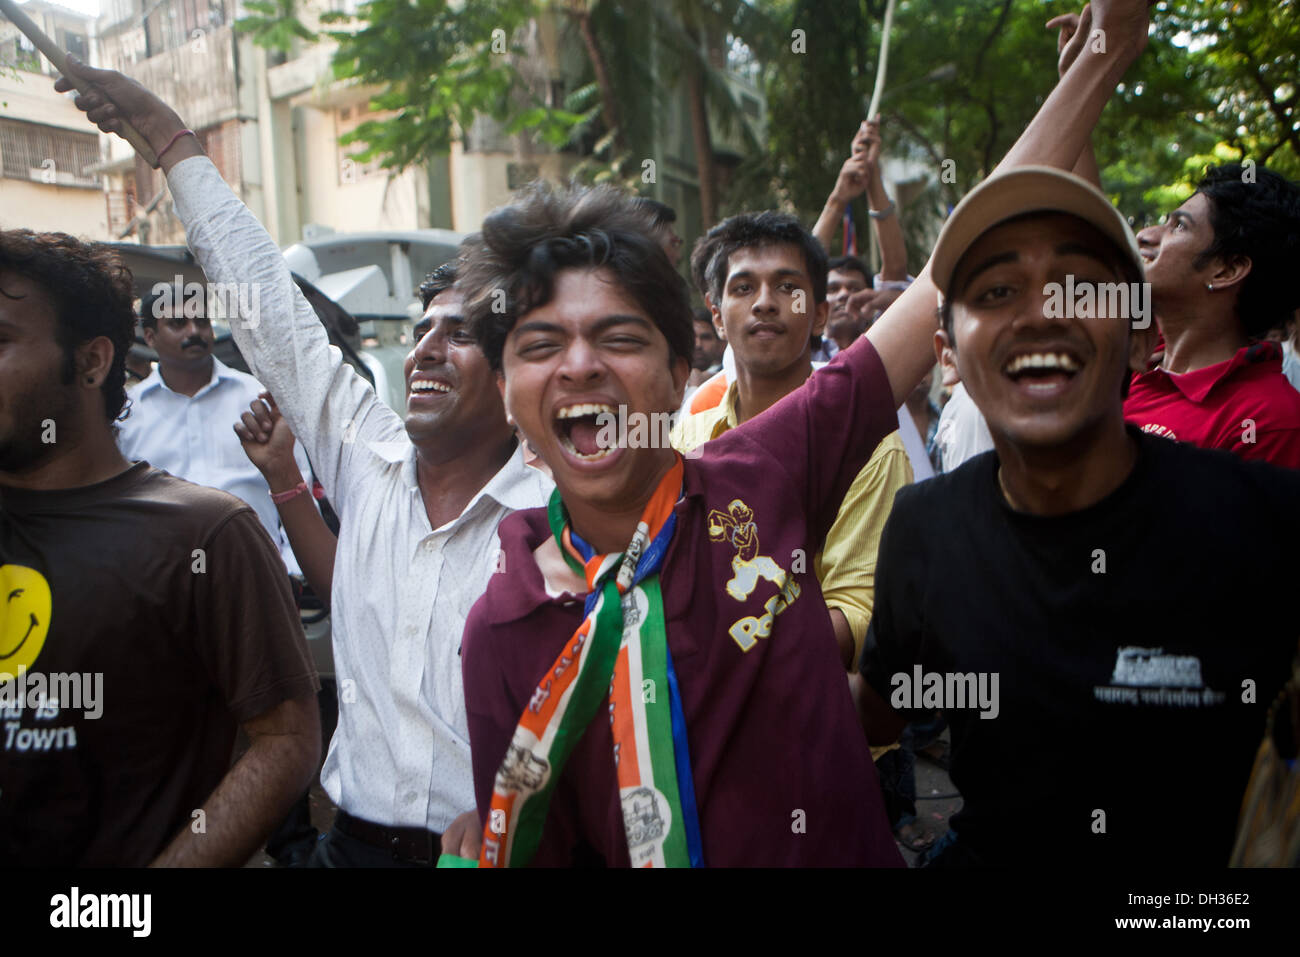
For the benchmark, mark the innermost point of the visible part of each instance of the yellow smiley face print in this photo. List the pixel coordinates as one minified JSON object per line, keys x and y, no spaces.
{"x":24,"y":617}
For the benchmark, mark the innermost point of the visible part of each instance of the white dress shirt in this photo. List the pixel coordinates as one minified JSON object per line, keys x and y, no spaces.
{"x":193,"y":438}
{"x":400,"y":755}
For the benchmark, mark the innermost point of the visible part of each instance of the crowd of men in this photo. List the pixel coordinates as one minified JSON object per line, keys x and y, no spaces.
{"x":718,"y":644}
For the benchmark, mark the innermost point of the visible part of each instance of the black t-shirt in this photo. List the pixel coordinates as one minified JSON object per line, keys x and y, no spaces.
{"x":149,"y":616}
{"x":1124,"y":636}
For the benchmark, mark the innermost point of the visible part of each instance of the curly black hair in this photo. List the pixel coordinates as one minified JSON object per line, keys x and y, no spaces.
{"x":1255,"y":213}
{"x":440,"y":280}
{"x":91,"y":291}
{"x":509,"y":268}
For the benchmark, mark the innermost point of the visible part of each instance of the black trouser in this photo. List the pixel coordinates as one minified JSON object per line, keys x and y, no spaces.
{"x":294,"y":840}
{"x":342,"y":847}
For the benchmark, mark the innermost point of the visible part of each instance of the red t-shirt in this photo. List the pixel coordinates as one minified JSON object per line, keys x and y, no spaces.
{"x":1244,"y":405}
{"x":783,"y":775}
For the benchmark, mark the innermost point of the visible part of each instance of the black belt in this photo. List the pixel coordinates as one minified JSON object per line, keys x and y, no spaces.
{"x":413,"y":844}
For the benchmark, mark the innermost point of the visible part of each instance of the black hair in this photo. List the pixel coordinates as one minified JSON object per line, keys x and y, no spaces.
{"x":148,"y":310}
{"x":851,"y":264}
{"x":700,"y":255}
{"x":768,"y":228}
{"x":510,"y":267}
{"x":92,"y":296}
{"x":173,"y":299}
{"x":1255,"y":213}
{"x":440,"y":280}
{"x":661,"y":214}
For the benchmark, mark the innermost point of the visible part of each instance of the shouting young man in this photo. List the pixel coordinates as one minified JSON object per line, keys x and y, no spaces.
{"x":1086,"y":665}
{"x":654,"y":677}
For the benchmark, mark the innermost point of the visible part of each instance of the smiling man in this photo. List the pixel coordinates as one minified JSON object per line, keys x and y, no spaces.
{"x":1221,"y":269}
{"x":655,"y":679}
{"x":418,"y":501}
{"x":1116,"y":651}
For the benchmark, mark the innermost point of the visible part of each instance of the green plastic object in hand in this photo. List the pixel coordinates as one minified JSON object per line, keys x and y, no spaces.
{"x":451,"y":860}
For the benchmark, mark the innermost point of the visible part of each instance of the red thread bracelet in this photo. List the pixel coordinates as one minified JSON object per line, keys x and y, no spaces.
{"x":279,"y":498}
{"x":172,"y":142}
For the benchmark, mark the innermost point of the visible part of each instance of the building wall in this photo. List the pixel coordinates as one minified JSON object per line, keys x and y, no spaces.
{"x":46,"y":145}
{"x":47,"y":208}
{"x":482,"y":181}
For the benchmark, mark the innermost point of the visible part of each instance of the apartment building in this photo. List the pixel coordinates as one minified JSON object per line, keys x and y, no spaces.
{"x":48,"y":152}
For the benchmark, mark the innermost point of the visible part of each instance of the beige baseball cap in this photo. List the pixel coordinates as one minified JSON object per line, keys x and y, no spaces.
{"x":1025,"y":189}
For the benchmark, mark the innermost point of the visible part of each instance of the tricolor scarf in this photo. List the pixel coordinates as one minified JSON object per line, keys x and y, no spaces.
{"x":619,"y":650}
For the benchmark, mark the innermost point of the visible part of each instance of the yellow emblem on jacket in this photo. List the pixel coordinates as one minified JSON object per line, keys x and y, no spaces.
{"x":737,"y":527}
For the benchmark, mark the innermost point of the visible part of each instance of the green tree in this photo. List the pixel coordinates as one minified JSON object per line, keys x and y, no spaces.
{"x":1249,"y":59}
{"x":437,"y":66}
{"x":965,"y":77}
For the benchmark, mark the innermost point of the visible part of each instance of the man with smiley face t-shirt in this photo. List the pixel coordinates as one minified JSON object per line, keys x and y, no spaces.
{"x":144,"y":619}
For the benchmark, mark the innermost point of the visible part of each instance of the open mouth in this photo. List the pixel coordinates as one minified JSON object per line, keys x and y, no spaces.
{"x":428,"y":387}
{"x":578,"y":429}
{"x":1042,"y":373}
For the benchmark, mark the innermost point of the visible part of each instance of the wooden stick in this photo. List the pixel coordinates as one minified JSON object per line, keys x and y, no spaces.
{"x":55,"y":55}
{"x":881,"y":66}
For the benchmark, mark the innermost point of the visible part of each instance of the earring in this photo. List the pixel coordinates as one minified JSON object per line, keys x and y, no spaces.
{"x":1209,"y":286}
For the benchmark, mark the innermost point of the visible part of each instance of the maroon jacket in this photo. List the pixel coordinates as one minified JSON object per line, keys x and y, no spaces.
{"x":782,"y":771}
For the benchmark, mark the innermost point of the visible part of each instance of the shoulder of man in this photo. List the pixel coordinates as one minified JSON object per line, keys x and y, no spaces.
{"x":243,"y":379}
{"x":186,"y":505}
{"x":695,"y":428}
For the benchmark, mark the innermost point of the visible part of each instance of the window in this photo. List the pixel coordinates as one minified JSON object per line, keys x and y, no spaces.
{"x":346,"y":120}
{"x":519,"y":175}
{"x":46,"y":154}
{"x":18,"y":52}
{"x":75,"y":43}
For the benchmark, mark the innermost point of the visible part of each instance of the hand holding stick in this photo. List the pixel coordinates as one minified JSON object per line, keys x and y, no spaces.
{"x":59,"y":58}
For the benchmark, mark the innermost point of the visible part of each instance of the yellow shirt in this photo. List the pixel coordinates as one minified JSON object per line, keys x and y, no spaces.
{"x":846,"y":565}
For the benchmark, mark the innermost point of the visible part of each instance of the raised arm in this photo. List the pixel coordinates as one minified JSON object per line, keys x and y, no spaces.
{"x":1073,"y":30}
{"x":861,"y":173}
{"x":269,"y":444}
{"x":889,"y":231}
{"x":849,"y":184}
{"x":1056,"y":137}
{"x":332,"y":410}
